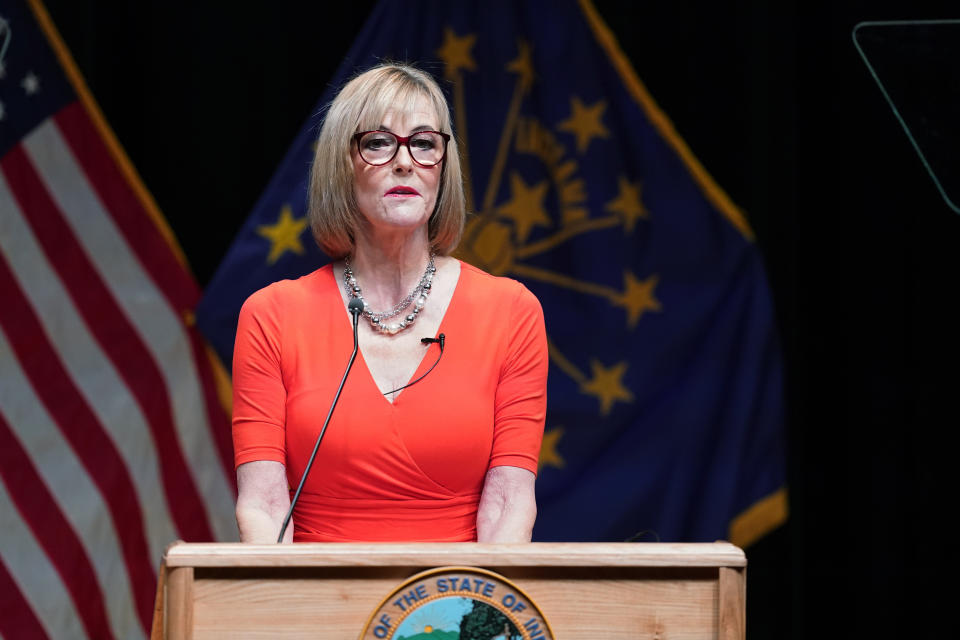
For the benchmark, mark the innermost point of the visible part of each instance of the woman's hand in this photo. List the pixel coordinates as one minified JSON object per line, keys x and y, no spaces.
{"x":262,"y":502}
{"x":508,"y":506}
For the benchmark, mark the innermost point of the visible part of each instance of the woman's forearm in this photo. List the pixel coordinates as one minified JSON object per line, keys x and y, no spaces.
{"x":505,"y":524}
{"x":263,"y":502}
{"x":261,"y":525}
{"x":508,"y":507}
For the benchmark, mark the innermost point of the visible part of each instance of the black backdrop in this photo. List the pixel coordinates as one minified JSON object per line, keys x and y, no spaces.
{"x":861,"y":252}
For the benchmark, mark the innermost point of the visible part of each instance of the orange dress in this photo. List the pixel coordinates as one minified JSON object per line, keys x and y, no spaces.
{"x":411,"y":470}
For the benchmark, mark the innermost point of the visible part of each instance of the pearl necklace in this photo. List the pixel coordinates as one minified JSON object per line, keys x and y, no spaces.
{"x":417,"y":297}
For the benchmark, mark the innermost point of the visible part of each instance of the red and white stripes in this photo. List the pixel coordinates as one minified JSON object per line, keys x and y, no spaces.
{"x":111,"y":440}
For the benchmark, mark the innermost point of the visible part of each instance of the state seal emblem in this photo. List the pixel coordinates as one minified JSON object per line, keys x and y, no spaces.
{"x":457,"y":603}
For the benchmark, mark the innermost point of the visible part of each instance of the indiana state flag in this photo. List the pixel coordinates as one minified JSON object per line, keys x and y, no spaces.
{"x":665,"y":391}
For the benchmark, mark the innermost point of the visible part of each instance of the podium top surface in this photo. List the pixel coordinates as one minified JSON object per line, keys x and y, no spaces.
{"x":557,"y":554}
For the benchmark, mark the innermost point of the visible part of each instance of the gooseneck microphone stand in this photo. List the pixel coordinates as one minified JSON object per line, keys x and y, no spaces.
{"x":356,"y":308}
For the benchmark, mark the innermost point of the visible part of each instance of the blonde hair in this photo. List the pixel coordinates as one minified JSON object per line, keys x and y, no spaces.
{"x":361,"y":106}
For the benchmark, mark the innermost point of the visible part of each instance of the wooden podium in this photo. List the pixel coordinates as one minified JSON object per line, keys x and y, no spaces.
{"x":608,"y":591}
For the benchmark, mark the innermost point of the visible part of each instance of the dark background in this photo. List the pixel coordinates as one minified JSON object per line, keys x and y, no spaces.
{"x":772,"y":97}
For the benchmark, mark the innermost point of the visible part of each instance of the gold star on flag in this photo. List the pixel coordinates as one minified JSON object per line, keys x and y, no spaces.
{"x":525,"y":207}
{"x":284,"y":235}
{"x":606,"y":384}
{"x":549,"y":457}
{"x":638,"y":297}
{"x":586,"y":123}
{"x":522,"y":65}
{"x":628,"y":204}
{"x":455,"y":53}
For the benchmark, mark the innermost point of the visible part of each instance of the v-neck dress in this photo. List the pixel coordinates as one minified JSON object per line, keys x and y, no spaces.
{"x":411,"y":470}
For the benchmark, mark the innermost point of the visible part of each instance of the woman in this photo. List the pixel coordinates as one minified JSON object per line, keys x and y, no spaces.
{"x":452,"y":457}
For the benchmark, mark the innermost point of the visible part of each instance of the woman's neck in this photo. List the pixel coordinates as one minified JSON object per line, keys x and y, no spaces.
{"x":388,"y":270}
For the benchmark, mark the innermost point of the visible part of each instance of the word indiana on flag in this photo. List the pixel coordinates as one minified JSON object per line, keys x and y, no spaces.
{"x":665,"y":418}
{"x":113,"y":442}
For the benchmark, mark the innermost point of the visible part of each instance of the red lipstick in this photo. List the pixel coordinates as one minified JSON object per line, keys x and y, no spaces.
{"x":402,"y":190}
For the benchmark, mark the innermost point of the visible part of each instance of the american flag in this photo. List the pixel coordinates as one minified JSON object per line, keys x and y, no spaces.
{"x":113,"y":438}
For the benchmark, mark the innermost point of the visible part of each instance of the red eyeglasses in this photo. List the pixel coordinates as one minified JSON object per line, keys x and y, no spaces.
{"x":427,"y":148}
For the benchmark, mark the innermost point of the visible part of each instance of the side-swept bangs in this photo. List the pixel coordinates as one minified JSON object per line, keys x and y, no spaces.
{"x":361,"y":106}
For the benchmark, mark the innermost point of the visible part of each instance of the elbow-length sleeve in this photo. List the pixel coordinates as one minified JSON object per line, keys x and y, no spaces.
{"x":521,"y":395}
{"x":259,"y":395}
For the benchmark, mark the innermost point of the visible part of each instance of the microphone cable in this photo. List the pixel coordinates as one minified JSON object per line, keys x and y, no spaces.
{"x":426,"y":341}
{"x":355,"y":307}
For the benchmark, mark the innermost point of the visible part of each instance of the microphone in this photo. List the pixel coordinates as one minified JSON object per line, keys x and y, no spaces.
{"x":428,"y":342}
{"x":432,"y":340}
{"x":356,"y":308}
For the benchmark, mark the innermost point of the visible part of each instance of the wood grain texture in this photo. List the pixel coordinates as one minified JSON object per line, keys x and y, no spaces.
{"x":732,"y":594}
{"x":589,"y":591}
{"x":619,"y":609}
{"x":627,"y":609}
{"x":179,"y":615}
{"x":156,"y":629}
{"x":621,"y":554}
